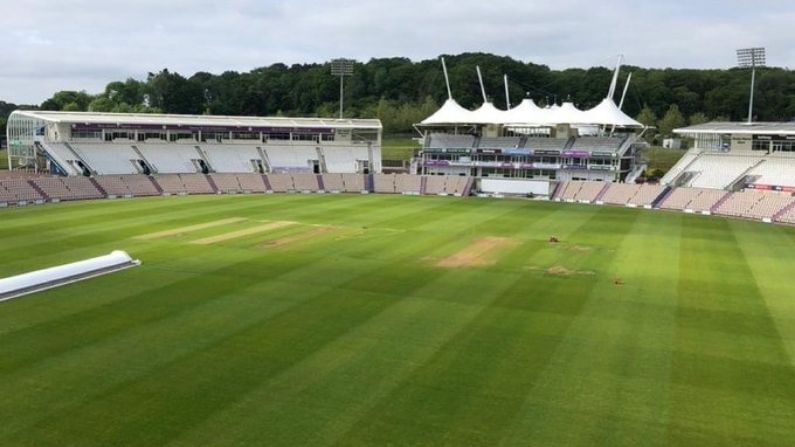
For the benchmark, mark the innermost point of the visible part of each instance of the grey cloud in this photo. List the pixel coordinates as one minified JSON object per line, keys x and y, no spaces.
{"x":83,"y":44}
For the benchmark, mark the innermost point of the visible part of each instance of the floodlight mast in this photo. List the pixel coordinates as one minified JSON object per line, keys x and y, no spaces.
{"x":342,"y":68}
{"x":751,"y":57}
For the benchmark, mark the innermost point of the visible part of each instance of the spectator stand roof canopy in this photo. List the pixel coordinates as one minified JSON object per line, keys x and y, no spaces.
{"x":527,"y":114}
{"x":148,"y":119}
{"x":734,"y":128}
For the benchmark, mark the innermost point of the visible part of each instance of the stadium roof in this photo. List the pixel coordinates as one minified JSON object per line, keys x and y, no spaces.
{"x":197,"y":120}
{"x":527,"y":113}
{"x":739,"y":129}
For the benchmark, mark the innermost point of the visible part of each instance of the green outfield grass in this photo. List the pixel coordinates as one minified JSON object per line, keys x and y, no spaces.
{"x":391,"y":320}
{"x":398,"y":148}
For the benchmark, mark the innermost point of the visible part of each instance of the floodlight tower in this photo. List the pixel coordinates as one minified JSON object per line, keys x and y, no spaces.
{"x":751,"y":57}
{"x":342,"y":68}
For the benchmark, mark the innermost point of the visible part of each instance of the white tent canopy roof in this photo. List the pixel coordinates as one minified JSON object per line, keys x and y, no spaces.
{"x":450,"y":113}
{"x":606,"y":113}
{"x":488,"y":114}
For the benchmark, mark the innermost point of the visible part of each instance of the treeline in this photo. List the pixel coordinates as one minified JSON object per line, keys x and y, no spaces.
{"x":402,"y":92}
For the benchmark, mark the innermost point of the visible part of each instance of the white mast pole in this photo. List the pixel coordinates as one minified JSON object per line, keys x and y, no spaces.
{"x":507,"y":93}
{"x":612,"y":92}
{"x":624,"y":95}
{"x":447,"y":80}
{"x":480,"y":80}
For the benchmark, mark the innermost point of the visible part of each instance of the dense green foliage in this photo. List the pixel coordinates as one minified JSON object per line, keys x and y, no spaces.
{"x":639,"y":327}
{"x":402,"y":92}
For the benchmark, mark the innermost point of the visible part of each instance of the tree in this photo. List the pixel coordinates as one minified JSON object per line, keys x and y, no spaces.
{"x":698,"y":118}
{"x":673,"y":119}
{"x":647,"y":117}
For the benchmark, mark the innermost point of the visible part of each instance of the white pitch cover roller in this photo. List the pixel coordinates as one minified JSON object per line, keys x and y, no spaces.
{"x":39,"y":280}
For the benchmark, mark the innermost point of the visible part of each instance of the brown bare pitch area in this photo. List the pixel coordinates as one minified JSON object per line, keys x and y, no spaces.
{"x":480,"y":253}
{"x":242,"y":233}
{"x":298,"y":238}
{"x":190,"y":228}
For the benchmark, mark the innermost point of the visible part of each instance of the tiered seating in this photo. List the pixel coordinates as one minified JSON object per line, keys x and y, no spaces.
{"x":603,"y":144}
{"x":775,"y":170}
{"x":718,"y":170}
{"x":499,"y":142}
{"x":408,"y":184}
{"x":546,"y":143}
{"x":444,"y":141}
{"x":196,"y":184}
{"x":231,"y":158}
{"x":435,"y":184}
{"x":17,"y":190}
{"x":788,"y":216}
{"x":647,"y":194}
{"x":626,"y":193}
{"x":281,"y":182}
{"x":620,"y":193}
{"x":305,"y":182}
{"x":696,"y":199}
{"x":170,"y":158}
{"x":140,"y":185}
{"x":353,"y":182}
{"x":384,"y":183}
{"x":679,"y":167}
{"x":170,"y":183}
{"x":290,"y":158}
{"x":456,"y":185}
{"x":64,"y":156}
{"x":333,"y":183}
{"x":582,"y":191}
{"x":113,"y":185}
{"x":68,"y":188}
{"x":251,"y":182}
{"x":754,"y":204}
{"x":227,"y":183}
{"x":339,"y":159}
{"x":108,"y":159}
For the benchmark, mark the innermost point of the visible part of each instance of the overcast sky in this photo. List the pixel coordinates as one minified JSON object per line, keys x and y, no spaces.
{"x":50,"y":45}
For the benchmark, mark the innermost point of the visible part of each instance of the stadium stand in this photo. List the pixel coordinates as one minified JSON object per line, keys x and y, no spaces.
{"x":126,"y":185}
{"x":15,"y":191}
{"x":754,"y":204}
{"x":109,"y":159}
{"x":281,"y":182}
{"x":171,"y":159}
{"x":774,"y":170}
{"x":408,"y":184}
{"x":694,"y":199}
{"x":68,"y":188}
{"x":719,"y":171}
{"x":170,"y":183}
{"x":606,"y":144}
{"x":342,"y":160}
{"x":499,"y":142}
{"x":384,"y":183}
{"x":305,"y":182}
{"x":581,"y":191}
{"x":197,"y":184}
{"x":231,"y":158}
{"x":450,"y":141}
{"x":456,"y":185}
{"x":290,"y":159}
{"x":547,"y":143}
{"x":333,"y":182}
{"x":436,"y":184}
{"x":632,"y":194}
{"x":353,"y":182}
{"x":679,"y":167}
{"x":787,"y":215}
